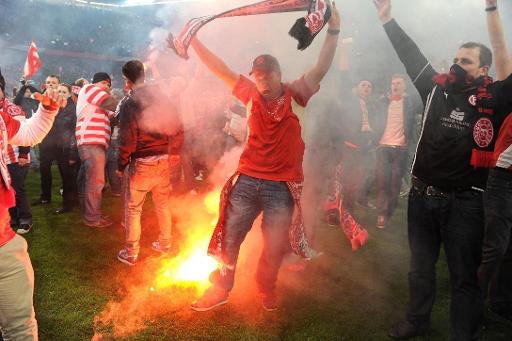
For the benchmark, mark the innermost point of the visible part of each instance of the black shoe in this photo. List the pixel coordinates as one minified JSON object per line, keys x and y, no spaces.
{"x":500,"y":316}
{"x":62,"y":210}
{"x":41,"y":202}
{"x":405,"y":330}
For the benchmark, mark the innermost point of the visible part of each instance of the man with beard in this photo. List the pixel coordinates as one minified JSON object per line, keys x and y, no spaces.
{"x":463,"y":109}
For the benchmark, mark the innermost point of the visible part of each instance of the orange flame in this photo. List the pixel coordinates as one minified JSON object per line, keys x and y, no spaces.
{"x":192,"y":266}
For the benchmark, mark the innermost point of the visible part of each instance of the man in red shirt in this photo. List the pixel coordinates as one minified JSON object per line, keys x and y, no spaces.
{"x":269,"y":166}
{"x":17,"y":317}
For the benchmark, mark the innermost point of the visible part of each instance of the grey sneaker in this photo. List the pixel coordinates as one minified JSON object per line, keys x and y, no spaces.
{"x":125,"y":258}
{"x":24,"y":228}
{"x":100,"y":223}
{"x":156,"y":246}
{"x":212,"y":297}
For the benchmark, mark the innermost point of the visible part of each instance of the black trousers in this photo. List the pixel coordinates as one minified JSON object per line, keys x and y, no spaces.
{"x":495,"y":272}
{"x":68,"y":173}
{"x":456,"y":220}
{"x":355,"y":163}
{"x":21,"y":213}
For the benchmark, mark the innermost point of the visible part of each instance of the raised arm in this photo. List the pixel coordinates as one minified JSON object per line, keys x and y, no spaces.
{"x":418,"y":68}
{"x":502,"y":57}
{"x":314,"y":76}
{"x":33,"y":130}
{"x":215,"y":64}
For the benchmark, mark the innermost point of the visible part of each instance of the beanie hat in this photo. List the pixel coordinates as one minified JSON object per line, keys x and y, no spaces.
{"x":101,"y":76}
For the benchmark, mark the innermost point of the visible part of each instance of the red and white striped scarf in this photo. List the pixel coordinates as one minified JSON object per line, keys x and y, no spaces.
{"x":304,"y":29}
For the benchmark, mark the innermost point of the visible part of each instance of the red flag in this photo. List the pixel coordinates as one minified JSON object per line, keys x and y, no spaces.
{"x":33,"y":63}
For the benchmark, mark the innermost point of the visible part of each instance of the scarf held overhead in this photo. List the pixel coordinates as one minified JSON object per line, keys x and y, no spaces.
{"x":304,"y":30}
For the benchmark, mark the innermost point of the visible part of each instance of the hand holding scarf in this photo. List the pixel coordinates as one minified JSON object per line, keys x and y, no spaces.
{"x":304,"y":30}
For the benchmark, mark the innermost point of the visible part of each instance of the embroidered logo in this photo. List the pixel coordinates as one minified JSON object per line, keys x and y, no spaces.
{"x":315,"y":22}
{"x":472,"y":100}
{"x":483,"y":132}
{"x":14,"y":110}
{"x":457,"y":115}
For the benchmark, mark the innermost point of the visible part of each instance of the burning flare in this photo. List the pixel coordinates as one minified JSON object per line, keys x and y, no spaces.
{"x":192,"y":267}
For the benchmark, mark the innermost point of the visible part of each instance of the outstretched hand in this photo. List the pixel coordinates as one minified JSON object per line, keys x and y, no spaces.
{"x":51,"y":100}
{"x":383,"y":10}
{"x":335,"y":20}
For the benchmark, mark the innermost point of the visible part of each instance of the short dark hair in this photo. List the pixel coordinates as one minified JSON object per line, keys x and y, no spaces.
{"x":134,"y":70}
{"x":485,"y":52}
{"x":54,"y":76}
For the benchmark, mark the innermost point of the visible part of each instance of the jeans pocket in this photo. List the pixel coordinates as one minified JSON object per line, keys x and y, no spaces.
{"x":470,"y":200}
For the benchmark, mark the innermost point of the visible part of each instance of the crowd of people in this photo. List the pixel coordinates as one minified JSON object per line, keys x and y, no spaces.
{"x":454,"y":137}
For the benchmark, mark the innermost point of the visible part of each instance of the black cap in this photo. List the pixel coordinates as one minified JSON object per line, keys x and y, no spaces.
{"x":2,"y":81}
{"x":101,"y":76}
{"x":265,"y":63}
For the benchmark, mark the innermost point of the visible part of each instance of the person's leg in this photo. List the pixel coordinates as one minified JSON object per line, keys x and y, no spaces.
{"x":383,"y":176}
{"x":68,"y":176}
{"x":23,"y":211}
{"x":501,"y":301}
{"x":112,"y":157}
{"x":397,"y":167}
{"x":462,"y":236}
{"x":367,"y":169}
{"x":495,"y":271}
{"x":139,"y":183}
{"x":34,"y":159}
{"x":17,"y":316}
{"x":161,"y":199}
{"x":352,"y":177}
{"x":93,"y":157}
{"x":241,"y":210}
{"x":424,"y":243}
{"x":278,"y":208}
{"x":45,"y":169}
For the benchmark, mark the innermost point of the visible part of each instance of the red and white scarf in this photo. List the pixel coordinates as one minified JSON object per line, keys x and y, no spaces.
{"x":304,"y":29}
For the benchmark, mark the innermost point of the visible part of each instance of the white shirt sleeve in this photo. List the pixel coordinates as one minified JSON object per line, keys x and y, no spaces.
{"x":33,"y":130}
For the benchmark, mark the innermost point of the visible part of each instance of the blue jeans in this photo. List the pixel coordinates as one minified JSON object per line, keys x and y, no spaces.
{"x":93,"y":179}
{"x":144,"y":177}
{"x":390,"y":169}
{"x":248,"y":198}
{"x":456,"y":219}
{"x":495,"y":272}
{"x":21,"y":213}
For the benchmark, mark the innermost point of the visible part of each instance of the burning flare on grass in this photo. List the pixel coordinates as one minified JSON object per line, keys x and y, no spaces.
{"x":192,"y":267}
{"x":160,"y":285}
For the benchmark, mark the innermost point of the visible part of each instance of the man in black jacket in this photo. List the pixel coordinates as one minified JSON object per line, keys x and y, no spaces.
{"x":463,"y":109}
{"x":147,"y":154}
{"x":394,"y":133}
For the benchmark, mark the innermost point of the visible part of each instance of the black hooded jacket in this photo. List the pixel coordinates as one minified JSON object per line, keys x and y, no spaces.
{"x":450,"y":122}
